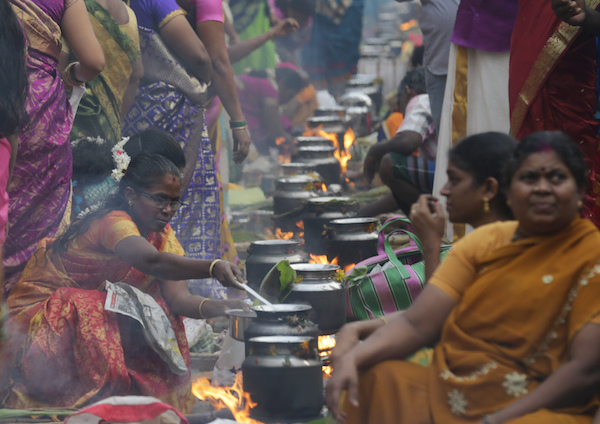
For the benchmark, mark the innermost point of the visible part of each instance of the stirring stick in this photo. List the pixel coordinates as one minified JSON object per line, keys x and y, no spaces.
{"x":256,"y":295}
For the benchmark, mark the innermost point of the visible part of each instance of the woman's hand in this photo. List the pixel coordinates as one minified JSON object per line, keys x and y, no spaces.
{"x":284,"y":27}
{"x":344,"y":378}
{"x":571,"y":11}
{"x":241,"y":143}
{"x":228,"y":274}
{"x":427,"y":219}
{"x":345,"y":340}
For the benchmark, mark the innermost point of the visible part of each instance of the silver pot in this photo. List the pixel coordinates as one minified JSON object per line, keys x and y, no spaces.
{"x":318,"y":213}
{"x":291,"y":192}
{"x":239,"y":320}
{"x":325,"y":162}
{"x":320,"y":289}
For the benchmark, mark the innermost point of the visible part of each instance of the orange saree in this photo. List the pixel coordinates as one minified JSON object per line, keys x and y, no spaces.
{"x":520,"y":305}
{"x":74,"y":352}
{"x":552,"y":85}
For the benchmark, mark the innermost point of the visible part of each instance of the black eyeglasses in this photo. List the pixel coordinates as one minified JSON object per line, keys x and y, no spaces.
{"x":162,"y":202}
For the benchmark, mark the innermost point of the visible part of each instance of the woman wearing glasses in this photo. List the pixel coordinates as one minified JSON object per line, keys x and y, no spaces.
{"x":74,"y":350}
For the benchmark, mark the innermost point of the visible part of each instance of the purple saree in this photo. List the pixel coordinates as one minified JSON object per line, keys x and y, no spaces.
{"x":40,"y":188}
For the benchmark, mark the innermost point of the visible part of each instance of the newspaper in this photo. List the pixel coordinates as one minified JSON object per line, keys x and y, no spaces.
{"x":129,"y":301}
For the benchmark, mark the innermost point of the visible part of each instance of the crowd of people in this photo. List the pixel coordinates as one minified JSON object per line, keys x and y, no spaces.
{"x":119,"y":122}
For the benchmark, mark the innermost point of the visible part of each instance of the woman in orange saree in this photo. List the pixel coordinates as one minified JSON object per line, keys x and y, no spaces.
{"x":552,"y":85}
{"x":512,"y":311}
{"x":74,"y":348}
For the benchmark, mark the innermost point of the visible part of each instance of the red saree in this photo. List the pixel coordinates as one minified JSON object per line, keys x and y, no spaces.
{"x":75,"y":352}
{"x":552,"y":85}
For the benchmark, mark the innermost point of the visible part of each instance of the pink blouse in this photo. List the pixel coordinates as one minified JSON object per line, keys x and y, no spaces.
{"x":209,"y":10}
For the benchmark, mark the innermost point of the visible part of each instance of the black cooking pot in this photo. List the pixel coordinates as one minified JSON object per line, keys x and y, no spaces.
{"x":283,"y":375}
{"x":321,"y":288}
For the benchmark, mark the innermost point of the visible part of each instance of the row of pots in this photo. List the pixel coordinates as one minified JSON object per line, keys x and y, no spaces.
{"x":350,"y":240}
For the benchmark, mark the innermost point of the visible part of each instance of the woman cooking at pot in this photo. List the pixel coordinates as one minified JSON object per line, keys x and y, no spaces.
{"x":75,"y":351}
{"x":512,"y":311}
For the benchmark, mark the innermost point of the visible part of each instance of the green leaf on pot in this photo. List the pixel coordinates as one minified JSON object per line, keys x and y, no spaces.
{"x":279,"y":282}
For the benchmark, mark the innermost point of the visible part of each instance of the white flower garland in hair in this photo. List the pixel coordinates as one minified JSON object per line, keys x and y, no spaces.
{"x":97,"y":140}
{"x":89,"y":210}
{"x":121,"y":160}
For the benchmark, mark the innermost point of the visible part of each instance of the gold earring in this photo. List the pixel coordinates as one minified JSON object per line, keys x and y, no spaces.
{"x":579,"y":204}
{"x":486,"y":205}
{"x":130,"y":203}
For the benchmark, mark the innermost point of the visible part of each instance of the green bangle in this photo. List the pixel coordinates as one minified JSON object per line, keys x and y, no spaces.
{"x":238,"y":124}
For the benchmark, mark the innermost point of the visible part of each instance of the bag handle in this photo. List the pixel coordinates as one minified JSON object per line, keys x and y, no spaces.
{"x":414,"y":240}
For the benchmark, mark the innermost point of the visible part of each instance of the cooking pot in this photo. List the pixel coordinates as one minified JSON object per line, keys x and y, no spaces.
{"x":281,"y":320}
{"x":283,"y":375}
{"x":325,"y":162}
{"x":352,"y":240}
{"x":264,"y":254}
{"x":239,"y":320}
{"x":321,"y":288}
{"x":318,"y":213}
{"x":291,"y":192}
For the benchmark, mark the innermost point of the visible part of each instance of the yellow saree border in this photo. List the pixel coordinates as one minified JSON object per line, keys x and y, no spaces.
{"x":554,"y":48}
{"x":460,"y":111}
{"x":43,"y":34}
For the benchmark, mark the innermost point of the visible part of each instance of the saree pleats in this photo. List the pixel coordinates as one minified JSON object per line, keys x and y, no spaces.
{"x":40,"y":188}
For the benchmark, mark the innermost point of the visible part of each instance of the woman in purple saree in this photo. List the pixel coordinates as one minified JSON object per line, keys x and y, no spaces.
{"x":40,"y":188}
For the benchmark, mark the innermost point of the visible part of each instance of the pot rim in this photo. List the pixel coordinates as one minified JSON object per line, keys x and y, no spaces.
{"x":240,"y":313}
{"x":306,"y":267}
{"x":281,"y":308}
{"x":275,"y":242}
{"x":297,"y":179}
{"x":350,"y":221}
{"x":280,"y":339}
{"x":316,"y":149}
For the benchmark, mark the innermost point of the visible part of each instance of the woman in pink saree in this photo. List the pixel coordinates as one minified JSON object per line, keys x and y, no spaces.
{"x":40,"y":187}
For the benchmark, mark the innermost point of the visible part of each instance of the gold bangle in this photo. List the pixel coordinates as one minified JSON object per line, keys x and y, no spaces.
{"x":240,"y":128}
{"x":68,"y":75}
{"x":212,"y":265}
{"x":384,"y":319}
{"x":200,"y":308}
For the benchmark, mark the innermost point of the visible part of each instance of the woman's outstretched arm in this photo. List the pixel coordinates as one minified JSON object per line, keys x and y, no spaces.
{"x":143,"y":256}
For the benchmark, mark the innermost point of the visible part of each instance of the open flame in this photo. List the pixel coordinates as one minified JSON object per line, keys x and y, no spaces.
{"x":234,"y":398}
{"x":408,"y":25}
{"x":279,"y":141}
{"x":342,"y":153}
{"x":322,"y":259}
{"x":279,"y":235}
{"x":284,"y":159}
{"x":323,"y":188}
{"x":326,"y":344}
